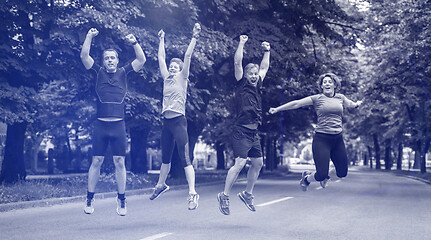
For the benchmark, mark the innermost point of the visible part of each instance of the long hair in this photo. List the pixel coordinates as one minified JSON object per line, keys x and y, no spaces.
{"x":334,"y":78}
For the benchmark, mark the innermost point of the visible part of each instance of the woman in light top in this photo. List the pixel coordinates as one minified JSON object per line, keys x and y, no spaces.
{"x":175,"y":80}
{"x":328,"y":143}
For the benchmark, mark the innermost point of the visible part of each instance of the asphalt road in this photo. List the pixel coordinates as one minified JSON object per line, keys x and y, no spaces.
{"x":365,"y":205}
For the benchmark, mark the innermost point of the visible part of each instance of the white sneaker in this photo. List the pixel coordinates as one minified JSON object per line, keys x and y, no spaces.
{"x":121,"y":207}
{"x":324,"y":183}
{"x":193,"y":201}
{"x":302,"y":183}
{"x":89,"y":206}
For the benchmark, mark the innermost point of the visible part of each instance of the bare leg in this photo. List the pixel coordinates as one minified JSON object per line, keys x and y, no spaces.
{"x":164,"y":171}
{"x":94,"y":172}
{"x":190,"y":176}
{"x":232,"y":174}
{"x":120,"y":173}
{"x":253,"y":173}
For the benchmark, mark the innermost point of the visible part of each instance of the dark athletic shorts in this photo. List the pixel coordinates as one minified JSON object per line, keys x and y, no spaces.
{"x":109,"y":133}
{"x":246,"y":142}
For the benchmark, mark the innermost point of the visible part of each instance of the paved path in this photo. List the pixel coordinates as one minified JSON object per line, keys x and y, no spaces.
{"x":365,"y":205}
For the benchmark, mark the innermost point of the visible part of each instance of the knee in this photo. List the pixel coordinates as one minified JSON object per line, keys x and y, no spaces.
{"x":97,"y":161}
{"x":257,"y":163}
{"x":119,"y":162}
{"x":239,"y":165}
{"x":342,"y":174}
{"x":319,"y":177}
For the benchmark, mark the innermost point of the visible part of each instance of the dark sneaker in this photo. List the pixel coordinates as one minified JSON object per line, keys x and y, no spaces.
{"x":324,"y":182}
{"x":247,"y":199}
{"x":302,"y":183}
{"x":193,"y":201}
{"x":158,"y":191}
{"x":121,"y":207}
{"x":223,"y":201}
{"x":89,"y":206}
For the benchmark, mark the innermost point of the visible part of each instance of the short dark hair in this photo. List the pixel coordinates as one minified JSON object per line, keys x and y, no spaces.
{"x":110,"y":50}
{"x":334,"y":78}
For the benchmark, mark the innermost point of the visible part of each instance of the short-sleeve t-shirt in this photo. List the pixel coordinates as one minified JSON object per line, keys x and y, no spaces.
{"x":111,"y":89}
{"x":329,"y":112}
{"x":248,"y":103}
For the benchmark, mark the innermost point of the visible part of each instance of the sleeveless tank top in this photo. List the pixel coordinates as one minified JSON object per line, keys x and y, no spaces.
{"x":175,"y":94}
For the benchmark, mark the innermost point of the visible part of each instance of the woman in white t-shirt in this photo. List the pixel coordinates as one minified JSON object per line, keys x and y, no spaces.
{"x":328,"y":143}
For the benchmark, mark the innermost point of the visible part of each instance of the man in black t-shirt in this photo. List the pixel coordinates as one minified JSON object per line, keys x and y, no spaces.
{"x":245,"y":138}
{"x":109,"y":129}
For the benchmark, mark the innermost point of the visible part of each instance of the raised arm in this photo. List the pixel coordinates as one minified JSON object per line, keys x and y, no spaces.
{"x":237,"y":60}
{"x":264,"y":65}
{"x":86,"y":59}
{"x":189,"y":52}
{"x":138,"y":63}
{"x":162,"y":55}
{"x":350,"y":104}
{"x":292,"y":105}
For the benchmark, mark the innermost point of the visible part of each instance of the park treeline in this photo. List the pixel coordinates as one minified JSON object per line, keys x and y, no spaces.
{"x":378,"y":48}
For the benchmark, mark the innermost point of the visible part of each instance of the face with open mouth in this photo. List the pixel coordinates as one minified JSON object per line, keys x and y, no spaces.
{"x":174,"y":68}
{"x":252,"y":76}
{"x":328,"y":86}
{"x":110,"y":61}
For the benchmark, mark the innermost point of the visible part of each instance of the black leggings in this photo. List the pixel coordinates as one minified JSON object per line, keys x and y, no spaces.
{"x":329,"y":147}
{"x":174,"y":130}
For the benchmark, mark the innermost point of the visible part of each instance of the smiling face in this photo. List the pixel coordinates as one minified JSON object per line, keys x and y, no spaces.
{"x":252,"y":76}
{"x":110,"y":61}
{"x":328,"y":86}
{"x":174,"y":68}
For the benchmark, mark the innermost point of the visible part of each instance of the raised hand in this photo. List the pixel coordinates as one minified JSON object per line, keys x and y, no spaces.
{"x":266,"y":47}
{"x":131,"y":39}
{"x":92,"y":32}
{"x":196,"y":30}
{"x":273,"y":110}
{"x":243,"y":38}
{"x":161,"y":34}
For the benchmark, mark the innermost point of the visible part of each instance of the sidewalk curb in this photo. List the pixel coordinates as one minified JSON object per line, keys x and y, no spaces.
{"x":415,"y":178}
{"x":58,"y":201}
{"x":399,"y":175}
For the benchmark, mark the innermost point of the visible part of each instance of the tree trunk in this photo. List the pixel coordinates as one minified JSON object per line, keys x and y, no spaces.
{"x":138,"y":150}
{"x":370,"y":153}
{"x":271,"y":161}
{"x":365,"y":159}
{"x":388,"y":154}
{"x":377,"y":149}
{"x":13,"y":166}
{"x":400,"y":156}
{"x":34,"y":151}
{"x":423,"y":154}
{"x":417,"y":150}
{"x":220,"y":155}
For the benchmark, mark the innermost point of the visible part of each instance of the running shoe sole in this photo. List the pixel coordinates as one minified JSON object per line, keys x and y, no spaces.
{"x":219,"y":205}
{"x":245,"y":202}
{"x":158,"y":195}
